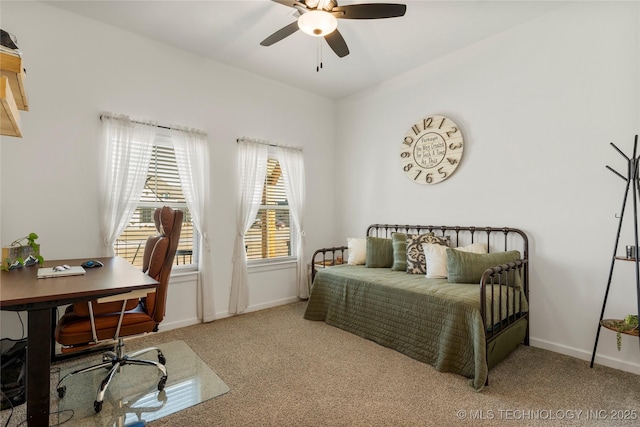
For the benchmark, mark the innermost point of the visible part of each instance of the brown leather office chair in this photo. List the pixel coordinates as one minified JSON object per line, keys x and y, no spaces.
{"x":86,"y":324}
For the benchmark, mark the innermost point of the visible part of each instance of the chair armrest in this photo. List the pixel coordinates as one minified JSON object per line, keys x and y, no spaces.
{"x":140,"y":293}
{"x":109,"y":305}
{"x":100,"y":308}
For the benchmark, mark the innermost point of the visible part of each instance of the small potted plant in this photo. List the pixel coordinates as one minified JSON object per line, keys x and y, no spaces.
{"x":627,"y":325}
{"x":22,"y":252}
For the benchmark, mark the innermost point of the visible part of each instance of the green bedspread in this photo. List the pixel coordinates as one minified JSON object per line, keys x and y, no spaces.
{"x":430,"y":320}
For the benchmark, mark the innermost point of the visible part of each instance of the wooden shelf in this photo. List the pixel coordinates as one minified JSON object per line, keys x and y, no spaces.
{"x":612,"y":324}
{"x":11,"y":68}
{"x":622,"y":258}
{"x":9,"y":114}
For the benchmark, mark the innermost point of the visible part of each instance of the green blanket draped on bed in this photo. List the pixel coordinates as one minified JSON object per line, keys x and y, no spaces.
{"x":430,"y":320}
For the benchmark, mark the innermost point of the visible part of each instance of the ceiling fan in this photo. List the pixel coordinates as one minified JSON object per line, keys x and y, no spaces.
{"x":318,"y":18}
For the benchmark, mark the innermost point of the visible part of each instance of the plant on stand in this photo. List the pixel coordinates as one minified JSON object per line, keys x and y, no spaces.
{"x":629,"y":323}
{"x":22,"y":252}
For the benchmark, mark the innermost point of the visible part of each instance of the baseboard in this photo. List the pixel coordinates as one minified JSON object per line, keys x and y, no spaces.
{"x":608,"y":361}
{"x":258,"y":307}
{"x":167,"y":326}
{"x":271,"y":304}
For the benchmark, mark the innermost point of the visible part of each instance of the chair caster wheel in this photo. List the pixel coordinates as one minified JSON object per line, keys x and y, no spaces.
{"x":97,"y":406}
{"x":162,"y":383}
{"x":62,"y":391}
{"x":162,"y":359}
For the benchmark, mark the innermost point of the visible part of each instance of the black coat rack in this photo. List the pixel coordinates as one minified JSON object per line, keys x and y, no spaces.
{"x":632,"y":180}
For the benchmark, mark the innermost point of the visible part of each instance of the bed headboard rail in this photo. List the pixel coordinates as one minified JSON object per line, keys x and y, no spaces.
{"x":496,"y":238}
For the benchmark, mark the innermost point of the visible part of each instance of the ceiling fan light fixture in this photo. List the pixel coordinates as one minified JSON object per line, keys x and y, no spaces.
{"x":317,"y":23}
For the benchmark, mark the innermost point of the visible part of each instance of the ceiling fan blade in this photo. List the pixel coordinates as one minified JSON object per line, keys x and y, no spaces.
{"x":290,"y":3}
{"x":280,"y":34}
{"x":337,"y":43}
{"x":369,"y":11}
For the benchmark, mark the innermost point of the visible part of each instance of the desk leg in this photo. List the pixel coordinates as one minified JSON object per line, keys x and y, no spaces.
{"x":38,"y":367}
{"x":54,"y":321}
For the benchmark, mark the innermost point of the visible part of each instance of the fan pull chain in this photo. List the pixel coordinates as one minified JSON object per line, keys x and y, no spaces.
{"x":319,"y":55}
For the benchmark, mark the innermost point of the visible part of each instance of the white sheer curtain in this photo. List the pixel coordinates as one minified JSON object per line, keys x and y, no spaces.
{"x":252,"y":170}
{"x":126,"y":148}
{"x":191,"y":149}
{"x":292,"y":164}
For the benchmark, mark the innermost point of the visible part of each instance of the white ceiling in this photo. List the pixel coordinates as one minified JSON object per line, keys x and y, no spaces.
{"x":231,"y":31}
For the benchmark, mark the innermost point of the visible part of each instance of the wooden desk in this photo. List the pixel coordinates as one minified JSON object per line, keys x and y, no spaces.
{"x":21,"y":290}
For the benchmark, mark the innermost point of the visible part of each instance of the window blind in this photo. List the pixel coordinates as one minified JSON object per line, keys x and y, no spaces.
{"x":162,"y":188}
{"x":270,"y":234}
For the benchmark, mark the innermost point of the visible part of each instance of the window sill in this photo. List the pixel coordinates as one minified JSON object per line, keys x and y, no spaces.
{"x":184,"y":271}
{"x":269,"y":265}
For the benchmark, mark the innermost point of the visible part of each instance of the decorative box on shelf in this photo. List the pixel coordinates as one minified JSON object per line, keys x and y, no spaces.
{"x":11,"y":68}
{"x":11,"y":254}
{"x":9,"y":114}
{"x":13,"y":95}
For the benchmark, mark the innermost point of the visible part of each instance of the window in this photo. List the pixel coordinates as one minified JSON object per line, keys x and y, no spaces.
{"x":161,"y":188}
{"x":271,"y":234}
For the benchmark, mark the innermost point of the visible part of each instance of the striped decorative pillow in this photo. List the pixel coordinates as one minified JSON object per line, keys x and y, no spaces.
{"x":399,"y":242}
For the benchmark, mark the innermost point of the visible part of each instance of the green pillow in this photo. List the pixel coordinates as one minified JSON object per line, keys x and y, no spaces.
{"x":379,"y":252}
{"x":399,"y":243}
{"x":467,"y":267}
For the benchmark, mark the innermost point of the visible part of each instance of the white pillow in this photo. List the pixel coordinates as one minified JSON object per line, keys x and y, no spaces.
{"x":436,"y":257}
{"x":474,"y":248}
{"x":357,"y":248}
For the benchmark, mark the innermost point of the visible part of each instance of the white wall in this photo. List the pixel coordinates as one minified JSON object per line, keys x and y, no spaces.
{"x":538,"y":106}
{"x":76,"y":69}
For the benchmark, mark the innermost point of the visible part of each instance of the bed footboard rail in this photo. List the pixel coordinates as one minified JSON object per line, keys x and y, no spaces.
{"x":504,"y":296}
{"x":325,"y":257}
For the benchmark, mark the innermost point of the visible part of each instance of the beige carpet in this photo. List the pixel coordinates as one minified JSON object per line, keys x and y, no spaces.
{"x":286,"y":371}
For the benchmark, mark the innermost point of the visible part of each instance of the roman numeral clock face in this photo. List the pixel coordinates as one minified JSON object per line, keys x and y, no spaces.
{"x":431,"y":150}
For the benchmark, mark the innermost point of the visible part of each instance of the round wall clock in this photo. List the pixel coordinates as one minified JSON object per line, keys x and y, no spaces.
{"x":431,"y":150}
